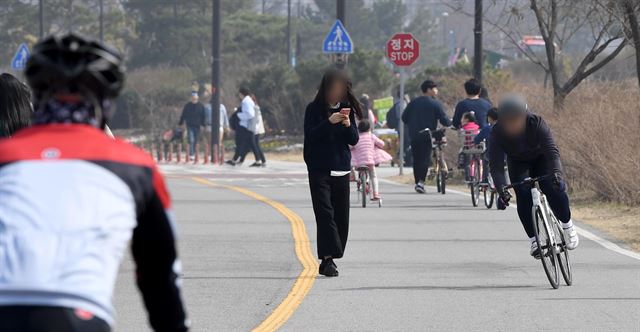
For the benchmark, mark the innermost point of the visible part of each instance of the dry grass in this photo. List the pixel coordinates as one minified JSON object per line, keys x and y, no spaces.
{"x":618,"y":221}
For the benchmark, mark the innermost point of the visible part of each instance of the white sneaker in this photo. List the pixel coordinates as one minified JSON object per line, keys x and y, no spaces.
{"x":535,"y":252}
{"x":571,"y":237}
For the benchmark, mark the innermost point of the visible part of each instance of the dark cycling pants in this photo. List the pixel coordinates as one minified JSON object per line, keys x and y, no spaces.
{"x":558,"y":200}
{"x":421,"y":149}
{"x":330,"y":198}
{"x":49,"y":319}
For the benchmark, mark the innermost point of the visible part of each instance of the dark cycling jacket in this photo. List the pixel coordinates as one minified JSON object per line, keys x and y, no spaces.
{"x":71,"y":199}
{"x":536,"y":142}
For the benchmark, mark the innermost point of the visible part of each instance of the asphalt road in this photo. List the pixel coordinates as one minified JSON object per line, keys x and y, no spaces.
{"x":421,"y":263}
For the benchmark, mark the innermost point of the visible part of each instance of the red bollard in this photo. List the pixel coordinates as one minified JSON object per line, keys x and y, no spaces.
{"x":178,"y":153}
{"x":206,"y":154}
{"x":195,"y":160}
{"x":170,"y":156}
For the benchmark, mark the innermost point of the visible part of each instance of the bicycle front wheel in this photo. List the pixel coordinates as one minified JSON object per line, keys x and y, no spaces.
{"x":489,"y":196}
{"x":474,"y":183}
{"x":563,"y":255}
{"x":443,"y":182}
{"x":545,"y":245}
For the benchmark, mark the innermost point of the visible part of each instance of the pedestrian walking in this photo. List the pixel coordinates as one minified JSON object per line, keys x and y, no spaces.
{"x":193,"y":117}
{"x":244,"y":130}
{"x":423,"y":112}
{"x":474,"y":103}
{"x":15,"y":105}
{"x":329,"y":130}
{"x":258,"y":130}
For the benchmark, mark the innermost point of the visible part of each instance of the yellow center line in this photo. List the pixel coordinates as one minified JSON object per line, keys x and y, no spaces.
{"x":302,"y":247}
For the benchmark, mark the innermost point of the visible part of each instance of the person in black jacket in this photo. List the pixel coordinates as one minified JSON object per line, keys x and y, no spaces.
{"x":531,"y":152}
{"x":423,"y":112}
{"x":193,"y":116}
{"x":329,"y":129}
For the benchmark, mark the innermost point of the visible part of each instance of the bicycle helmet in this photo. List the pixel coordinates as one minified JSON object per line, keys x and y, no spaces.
{"x":75,"y":65}
{"x":512,"y":106}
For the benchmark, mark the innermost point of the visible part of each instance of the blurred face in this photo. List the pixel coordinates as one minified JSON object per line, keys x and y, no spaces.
{"x":514,"y":126}
{"x":433,"y":92}
{"x":194,"y":98}
{"x":336,"y":92}
{"x":464,"y":121}
{"x":491,"y":120}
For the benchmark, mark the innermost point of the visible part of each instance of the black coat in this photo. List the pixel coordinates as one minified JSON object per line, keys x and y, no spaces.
{"x":326,"y":145}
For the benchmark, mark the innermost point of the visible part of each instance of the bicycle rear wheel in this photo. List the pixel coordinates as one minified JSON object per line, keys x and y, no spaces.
{"x":438,"y":180}
{"x":563,"y":255}
{"x":363,"y":188}
{"x":443,"y":181}
{"x":547,"y":251}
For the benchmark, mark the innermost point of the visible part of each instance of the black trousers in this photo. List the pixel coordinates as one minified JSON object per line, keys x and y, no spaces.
{"x":421,"y":150}
{"x":49,"y":319}
{"x":558,"y":200}
{"x":330,"y":198}
{"x":244,"y":143}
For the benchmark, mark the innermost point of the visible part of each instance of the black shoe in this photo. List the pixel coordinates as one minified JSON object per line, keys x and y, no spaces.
{"x":330,"y":269}
{"x":230,"y":162}
{"x":256,"y":164}
{"x":323,"y":264}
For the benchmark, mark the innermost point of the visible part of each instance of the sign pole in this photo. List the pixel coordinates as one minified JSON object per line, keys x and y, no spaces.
{"x":400,"y":123}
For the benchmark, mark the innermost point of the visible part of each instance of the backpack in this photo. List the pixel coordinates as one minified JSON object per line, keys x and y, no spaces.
{"x":234,"y":120}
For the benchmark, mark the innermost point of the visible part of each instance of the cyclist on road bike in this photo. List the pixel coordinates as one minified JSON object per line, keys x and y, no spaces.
{"x":71,"y":199}
{"x":531,"y":151}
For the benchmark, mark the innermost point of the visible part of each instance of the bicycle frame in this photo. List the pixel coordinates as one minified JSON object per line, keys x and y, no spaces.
{"x":540,"y":201}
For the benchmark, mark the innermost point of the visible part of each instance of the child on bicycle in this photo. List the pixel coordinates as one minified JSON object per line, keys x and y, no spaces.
{"x":368,"y":152}
{"x":531,"y":151}
{"x":468,"y":129}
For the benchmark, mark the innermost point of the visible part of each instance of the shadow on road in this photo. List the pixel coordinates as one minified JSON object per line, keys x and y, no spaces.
{"x":458,"y":288}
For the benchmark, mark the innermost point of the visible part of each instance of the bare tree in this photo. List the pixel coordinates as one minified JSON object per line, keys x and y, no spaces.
{"x":631,"y":9}
{"x":559,"y":23}
{"x":601,"y":22}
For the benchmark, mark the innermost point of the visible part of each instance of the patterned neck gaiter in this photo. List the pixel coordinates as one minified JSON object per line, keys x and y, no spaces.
{"x":60,"y":112}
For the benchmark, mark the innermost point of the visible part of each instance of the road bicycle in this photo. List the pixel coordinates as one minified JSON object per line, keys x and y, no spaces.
{"x":439,"y":169}
{"x":554,"y":254}
{"x":363,"y":185}
{"x":473,"y":169}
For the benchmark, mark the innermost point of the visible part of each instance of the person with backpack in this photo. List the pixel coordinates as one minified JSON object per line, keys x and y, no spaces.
{"x":242,"y":120}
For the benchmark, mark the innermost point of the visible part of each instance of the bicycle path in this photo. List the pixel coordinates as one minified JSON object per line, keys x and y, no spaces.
{"x":421,"y":263}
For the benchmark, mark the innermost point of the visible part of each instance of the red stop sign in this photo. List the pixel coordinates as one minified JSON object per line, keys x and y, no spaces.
{"x":403,"y":49}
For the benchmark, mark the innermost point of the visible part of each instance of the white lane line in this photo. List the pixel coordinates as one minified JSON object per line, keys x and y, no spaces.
{"x":589,"y":235}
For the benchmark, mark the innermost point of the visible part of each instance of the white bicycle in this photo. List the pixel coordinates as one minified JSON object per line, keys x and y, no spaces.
{"x":552,"y":246}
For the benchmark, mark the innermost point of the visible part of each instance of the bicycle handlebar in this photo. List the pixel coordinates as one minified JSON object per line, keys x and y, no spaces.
{"x":528,"y":181}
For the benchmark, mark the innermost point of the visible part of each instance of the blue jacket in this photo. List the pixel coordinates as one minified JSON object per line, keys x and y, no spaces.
{"x":483,"y":135}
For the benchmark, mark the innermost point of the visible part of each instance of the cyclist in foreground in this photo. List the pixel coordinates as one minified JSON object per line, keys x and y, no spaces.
{"x":71,"y":199}
{"x":531,"y":151}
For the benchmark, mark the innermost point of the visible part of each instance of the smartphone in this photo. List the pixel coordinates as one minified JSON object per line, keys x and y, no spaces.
{"x":345,"y":111}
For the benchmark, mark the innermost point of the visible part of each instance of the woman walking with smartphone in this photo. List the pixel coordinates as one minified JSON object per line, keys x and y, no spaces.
{"x":329,"y":129}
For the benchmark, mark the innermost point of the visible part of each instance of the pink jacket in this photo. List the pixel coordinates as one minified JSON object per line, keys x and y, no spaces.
{"x":368,"y":151}
{"x":470,"y":128}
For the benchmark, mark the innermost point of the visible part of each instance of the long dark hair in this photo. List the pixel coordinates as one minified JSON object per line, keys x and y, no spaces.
{"x":329,"y":77}
{"x":15,"y":105}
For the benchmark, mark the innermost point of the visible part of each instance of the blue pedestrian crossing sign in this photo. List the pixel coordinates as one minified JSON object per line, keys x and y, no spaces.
{"x":337,"y":40}
{"x":20,"y":59}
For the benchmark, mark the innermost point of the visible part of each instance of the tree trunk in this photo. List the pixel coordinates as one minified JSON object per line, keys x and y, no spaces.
{"x":632,"y":21}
